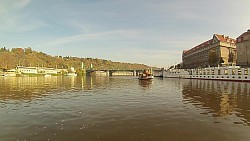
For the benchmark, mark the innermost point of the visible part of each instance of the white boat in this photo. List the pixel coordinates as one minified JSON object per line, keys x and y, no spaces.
{"x":11,"y":73}
{"x":71,"y":74}
{"x":47,"y":75}
{"x":158,"y":73}
{"x":216,"y":73}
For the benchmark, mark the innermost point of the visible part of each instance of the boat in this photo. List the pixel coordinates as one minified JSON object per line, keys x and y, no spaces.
{"x":216,"y":73}
{"x":8,"y":73}
{"x":47,"y":75}
{"x":72,"y":74}
{"x":146,"y":75}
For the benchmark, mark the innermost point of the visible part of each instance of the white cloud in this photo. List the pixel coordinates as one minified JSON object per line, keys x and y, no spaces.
{"x":8,"y":6}
{"x":83,"y":37}
{"x":13,"y":19}
{"x":21,"y":3}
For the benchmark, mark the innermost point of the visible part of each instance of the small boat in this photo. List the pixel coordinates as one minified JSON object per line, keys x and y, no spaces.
{"x":146,"y":75}
{"x":47,"y":75}
{"x":72,"y":74}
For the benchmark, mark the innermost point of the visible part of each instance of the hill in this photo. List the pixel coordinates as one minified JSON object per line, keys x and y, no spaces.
{"x":9,"y":59}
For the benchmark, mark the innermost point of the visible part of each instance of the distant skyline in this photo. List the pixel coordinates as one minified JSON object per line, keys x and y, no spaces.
{"x":151,"y":32}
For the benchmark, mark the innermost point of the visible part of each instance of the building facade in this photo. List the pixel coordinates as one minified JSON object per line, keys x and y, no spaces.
{"x":243,"y":49}
{"x":47,"y":71}
{"x":211,"y":53}
{"x":26,"y":70}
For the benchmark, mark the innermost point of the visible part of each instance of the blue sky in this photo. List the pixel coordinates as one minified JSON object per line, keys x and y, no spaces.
{"x":152,"y":32}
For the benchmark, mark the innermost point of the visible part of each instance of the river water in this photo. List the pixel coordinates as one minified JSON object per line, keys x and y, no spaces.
{"x":123,"y":109}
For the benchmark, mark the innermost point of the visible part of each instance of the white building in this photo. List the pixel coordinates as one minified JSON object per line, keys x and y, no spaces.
{"x":47,"y":70}
{"x":26,"y":70}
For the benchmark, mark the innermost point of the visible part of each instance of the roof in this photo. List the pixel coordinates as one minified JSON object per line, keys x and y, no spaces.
{"x":184,"y":51}
{"x":221,"y":38}
{"x":243,"y":34}
{"x":224,"y":38}
{"x":202,"y":45}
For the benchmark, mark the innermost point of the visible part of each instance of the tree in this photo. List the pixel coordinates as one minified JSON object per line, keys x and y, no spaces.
{"x":3,"y":49}
{"x":178,"y":66}
{"x":213,"y":59}
{"x":231,"y":57}
{"x":28,"y":50}
{"x":171,"y":67}
{"x":28,"y":57}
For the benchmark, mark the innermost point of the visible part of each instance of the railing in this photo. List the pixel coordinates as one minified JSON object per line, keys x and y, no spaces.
{"x":237,"y":74}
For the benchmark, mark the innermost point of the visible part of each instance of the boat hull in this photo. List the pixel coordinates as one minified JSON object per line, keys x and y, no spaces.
{"x":222,"y":74}
{"x":146,"y":78}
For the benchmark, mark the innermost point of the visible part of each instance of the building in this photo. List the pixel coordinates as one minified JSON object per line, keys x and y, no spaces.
{"x":47,"y":71}
{"x":62,"y":71}
{"x":26,"y":70}
{"x":243,"y":49}
{"x":210,"y":53}
{"x":38,"y":70}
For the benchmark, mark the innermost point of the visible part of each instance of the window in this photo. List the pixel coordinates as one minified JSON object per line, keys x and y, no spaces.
{"x":239,"y":71}
{"x":246,"y":71}
{"x":226,"y":72}
{"x":233,"y":72}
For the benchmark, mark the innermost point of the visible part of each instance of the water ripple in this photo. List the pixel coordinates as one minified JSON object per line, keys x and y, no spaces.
{"x":123,"y":108}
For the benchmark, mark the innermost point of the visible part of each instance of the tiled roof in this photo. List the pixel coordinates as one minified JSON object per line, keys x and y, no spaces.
{"x":200,"y":46}
{"x":185,"y":51}
{"x":221,"y":38}
{"x":224,"y":38}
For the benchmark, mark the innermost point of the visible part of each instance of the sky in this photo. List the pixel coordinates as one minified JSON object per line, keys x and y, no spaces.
{"x":151,"y":32}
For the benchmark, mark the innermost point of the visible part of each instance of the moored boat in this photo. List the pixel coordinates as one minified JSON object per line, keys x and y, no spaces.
{"x":72,"y":74}
{"x":216,"y":73}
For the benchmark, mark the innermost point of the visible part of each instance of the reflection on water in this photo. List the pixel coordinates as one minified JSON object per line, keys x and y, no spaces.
{"x":219,"y":98}
{"x":122,"y":108}
{"x":146,"y":84}
{"x":26,"y":88}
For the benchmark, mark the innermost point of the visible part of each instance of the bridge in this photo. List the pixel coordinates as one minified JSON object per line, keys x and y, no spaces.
{"x":116,"y":72}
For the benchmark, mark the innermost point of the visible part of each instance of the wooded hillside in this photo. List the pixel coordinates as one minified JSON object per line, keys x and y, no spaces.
{"x":9,"y":59}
